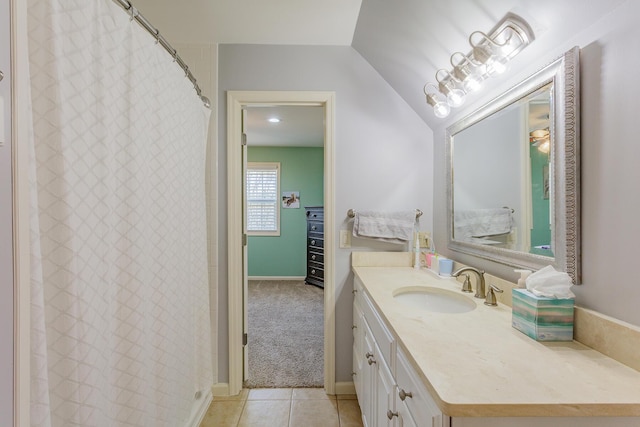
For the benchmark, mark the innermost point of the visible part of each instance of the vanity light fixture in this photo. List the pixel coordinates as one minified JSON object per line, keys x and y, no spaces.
{"x":489,"y":56}
{"x":540,"y":138}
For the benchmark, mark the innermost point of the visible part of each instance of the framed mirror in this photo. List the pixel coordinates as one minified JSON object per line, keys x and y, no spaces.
{"x":513,"y":174}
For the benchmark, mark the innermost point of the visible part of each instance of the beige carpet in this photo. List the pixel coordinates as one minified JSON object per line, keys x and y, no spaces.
{"x":286,"y":334}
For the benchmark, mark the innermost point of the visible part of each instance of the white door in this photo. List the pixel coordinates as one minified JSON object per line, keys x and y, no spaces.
{"x":6,"y":223}
{"x":245,"y":247}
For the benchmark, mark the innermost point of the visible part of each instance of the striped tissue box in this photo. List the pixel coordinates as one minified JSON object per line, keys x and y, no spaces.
{"x":543,"y":319}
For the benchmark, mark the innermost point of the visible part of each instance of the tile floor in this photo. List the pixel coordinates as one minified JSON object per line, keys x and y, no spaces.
{"x":283,"y":407}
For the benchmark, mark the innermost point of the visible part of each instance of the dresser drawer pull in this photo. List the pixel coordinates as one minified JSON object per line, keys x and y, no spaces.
{"x":313,"y":227}
{"x":403,"y":394}
{"x":391,"y":414}
{"x":313,"y":271}
{"x":313,"y":242}
{"x":313,"y":257}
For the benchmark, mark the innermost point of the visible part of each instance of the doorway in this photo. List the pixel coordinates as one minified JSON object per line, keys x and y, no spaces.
{"x":283,"y":178}
{"x":237,"y":101}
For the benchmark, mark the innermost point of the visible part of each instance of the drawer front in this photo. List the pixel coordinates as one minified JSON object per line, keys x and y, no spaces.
{"x":315,"y":242}
{"x":315,"y":271}
{"x":383,"y":337}
{"x":315,"y":227}
{"x":315,"y":214}
{"x":314,"y":256}
{"x":422,"y":407}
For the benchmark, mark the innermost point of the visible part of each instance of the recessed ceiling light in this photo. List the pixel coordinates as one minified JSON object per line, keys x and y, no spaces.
{"x":274,"y":120}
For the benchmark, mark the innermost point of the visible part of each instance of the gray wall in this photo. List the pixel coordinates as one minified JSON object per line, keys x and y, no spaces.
{"x":6,"y":238}
{"x":384,"y":153}
{"x":610,"y":152}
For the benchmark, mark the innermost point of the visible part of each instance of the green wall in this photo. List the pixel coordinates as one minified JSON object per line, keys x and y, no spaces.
{"x":541,"y":232}
{"x":301,"y":169}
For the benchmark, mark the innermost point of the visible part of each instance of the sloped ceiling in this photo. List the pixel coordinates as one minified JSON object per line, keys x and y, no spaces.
{"x":406,"y":41}
{"x":409,"y":40}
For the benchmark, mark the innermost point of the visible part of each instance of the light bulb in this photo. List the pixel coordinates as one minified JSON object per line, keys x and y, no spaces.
{"x":441,"y":109}
{"x":497,"y":65}
{"x":545,"y":146}
{"x":456,"y":97}
{"x":472,"y":83}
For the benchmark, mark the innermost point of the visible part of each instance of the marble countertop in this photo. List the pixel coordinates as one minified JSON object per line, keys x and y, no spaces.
{"x":476,"y":365}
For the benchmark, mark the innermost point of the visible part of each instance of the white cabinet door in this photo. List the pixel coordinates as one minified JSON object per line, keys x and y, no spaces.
{"x":384,"y":388}
{"x":367,"y":398}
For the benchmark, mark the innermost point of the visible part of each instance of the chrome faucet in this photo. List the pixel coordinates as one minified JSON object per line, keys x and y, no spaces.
{"x":480,"y":285}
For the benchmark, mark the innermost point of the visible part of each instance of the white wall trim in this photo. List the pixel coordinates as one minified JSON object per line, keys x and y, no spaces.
{"x":198,"y":413}
{"x":235,"y":101}
{"x":220,"y":389}
{"x":298,"y":278}
{"x":346,"y":387}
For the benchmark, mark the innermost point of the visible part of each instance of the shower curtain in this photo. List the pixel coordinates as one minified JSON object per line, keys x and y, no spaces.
{"x":120,"y":300}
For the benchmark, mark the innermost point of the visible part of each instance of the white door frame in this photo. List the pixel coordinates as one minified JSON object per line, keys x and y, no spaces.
{"x":236,"y":100}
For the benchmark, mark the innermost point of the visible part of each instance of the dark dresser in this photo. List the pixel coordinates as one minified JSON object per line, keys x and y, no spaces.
{"x":315,"y":246}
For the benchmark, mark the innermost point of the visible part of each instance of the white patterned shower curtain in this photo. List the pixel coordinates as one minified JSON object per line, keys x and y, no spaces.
{"x":120,"y":300}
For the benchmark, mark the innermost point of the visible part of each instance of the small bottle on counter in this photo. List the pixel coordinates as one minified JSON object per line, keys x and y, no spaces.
{"x":522,"y":281}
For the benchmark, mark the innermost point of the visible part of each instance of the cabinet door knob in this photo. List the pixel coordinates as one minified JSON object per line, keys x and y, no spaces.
{"x":403,"y":394}
{"x":391,"y":414}
{"x":354,"y":291}
{"x":354,"y":327}
{"x":368,"y":354}
{"x":371,"y":361}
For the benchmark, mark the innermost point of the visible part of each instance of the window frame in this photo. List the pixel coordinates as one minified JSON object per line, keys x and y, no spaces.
{"x":263,"y":166}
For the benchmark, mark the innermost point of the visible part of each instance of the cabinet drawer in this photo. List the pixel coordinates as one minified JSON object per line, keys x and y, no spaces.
{"x":315,"y":214}
{"x":315,"y":271}
{"x":315,"y":242}
{"x":315,"y":227}
{"x":380,"y":332}
{"x":316,"y":257}
{"x":418,"y":401}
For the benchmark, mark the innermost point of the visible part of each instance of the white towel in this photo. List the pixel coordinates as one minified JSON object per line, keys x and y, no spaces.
{"x":393,"y":227}
{"x":482,"y":222}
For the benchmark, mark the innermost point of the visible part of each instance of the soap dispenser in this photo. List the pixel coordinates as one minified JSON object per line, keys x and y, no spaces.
{"x":522,"y":281}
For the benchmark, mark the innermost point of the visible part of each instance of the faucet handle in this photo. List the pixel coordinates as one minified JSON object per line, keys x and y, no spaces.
{"x":466,"y":286}
{"x":491,"y":296}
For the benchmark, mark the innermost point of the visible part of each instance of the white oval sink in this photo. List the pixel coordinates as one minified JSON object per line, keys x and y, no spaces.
{"x":434,"y":299}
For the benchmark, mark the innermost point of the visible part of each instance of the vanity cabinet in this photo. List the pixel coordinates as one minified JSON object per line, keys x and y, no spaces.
{"x":394,"y":385}
{"x":388,"y":389}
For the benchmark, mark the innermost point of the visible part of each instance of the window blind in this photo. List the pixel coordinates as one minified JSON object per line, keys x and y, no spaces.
{"x":262,"y":197}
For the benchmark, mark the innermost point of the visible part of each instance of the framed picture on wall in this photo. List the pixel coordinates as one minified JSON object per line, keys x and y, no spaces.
{"x":291,"y":200}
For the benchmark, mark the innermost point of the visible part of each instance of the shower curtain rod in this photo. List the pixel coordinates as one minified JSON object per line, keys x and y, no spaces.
{"x":135,"y":14}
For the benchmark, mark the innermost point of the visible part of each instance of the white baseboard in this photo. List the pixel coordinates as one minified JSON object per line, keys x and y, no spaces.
{"x":346,"y":387}
{"x":276,"y":277}
{"x":198,"y":412}
{"x":220,"y":389}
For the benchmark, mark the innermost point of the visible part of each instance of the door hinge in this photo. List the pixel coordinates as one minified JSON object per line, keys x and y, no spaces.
{"x":244,"y":139}
{"x":245,"y":338}
{"x":244,"y":239}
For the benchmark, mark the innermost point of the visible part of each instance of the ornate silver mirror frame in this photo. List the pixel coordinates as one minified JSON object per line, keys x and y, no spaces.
{"x":565,"y":165}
